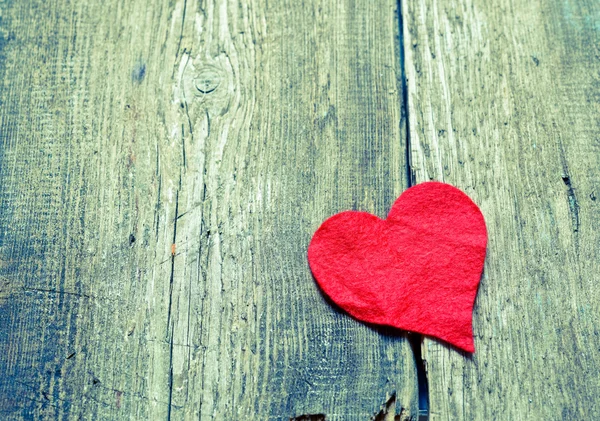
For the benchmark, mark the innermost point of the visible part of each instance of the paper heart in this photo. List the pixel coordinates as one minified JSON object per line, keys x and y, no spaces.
{"x":417,"y":270}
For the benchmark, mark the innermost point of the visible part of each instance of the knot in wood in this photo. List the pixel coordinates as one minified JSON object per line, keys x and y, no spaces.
{"x":208,"y":80}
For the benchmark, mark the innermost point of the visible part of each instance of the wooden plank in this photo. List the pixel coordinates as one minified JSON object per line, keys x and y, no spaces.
{"x":163,"y":166}
{"x":503,"y":102}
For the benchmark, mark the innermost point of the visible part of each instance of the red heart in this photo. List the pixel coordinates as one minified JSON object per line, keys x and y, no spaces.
{"x":417,"y":270}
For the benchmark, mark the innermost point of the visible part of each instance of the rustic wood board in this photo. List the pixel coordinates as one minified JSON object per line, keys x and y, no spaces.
{"x":503,"y":101}
{"x":163,"y":166}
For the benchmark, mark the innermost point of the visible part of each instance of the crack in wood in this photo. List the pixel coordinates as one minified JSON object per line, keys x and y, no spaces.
{"x":169,"y":320}
{"x":309,"y":417}
{"x":566,"y":178}
{"x":415,"y":340}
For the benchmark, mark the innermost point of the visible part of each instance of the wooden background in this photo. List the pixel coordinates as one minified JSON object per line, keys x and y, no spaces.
{"x":163,"y":165}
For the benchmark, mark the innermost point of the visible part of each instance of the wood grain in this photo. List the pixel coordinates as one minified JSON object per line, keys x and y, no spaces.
{"x":163,"y":166}
{"x":504,"y":103}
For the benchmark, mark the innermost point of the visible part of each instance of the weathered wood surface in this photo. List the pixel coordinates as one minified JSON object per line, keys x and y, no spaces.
{"x":163,"y":166}
{"x":503,"y":101}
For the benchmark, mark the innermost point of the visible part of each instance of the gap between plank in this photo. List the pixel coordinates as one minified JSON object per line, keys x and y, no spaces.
{"x":415,"y":340}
